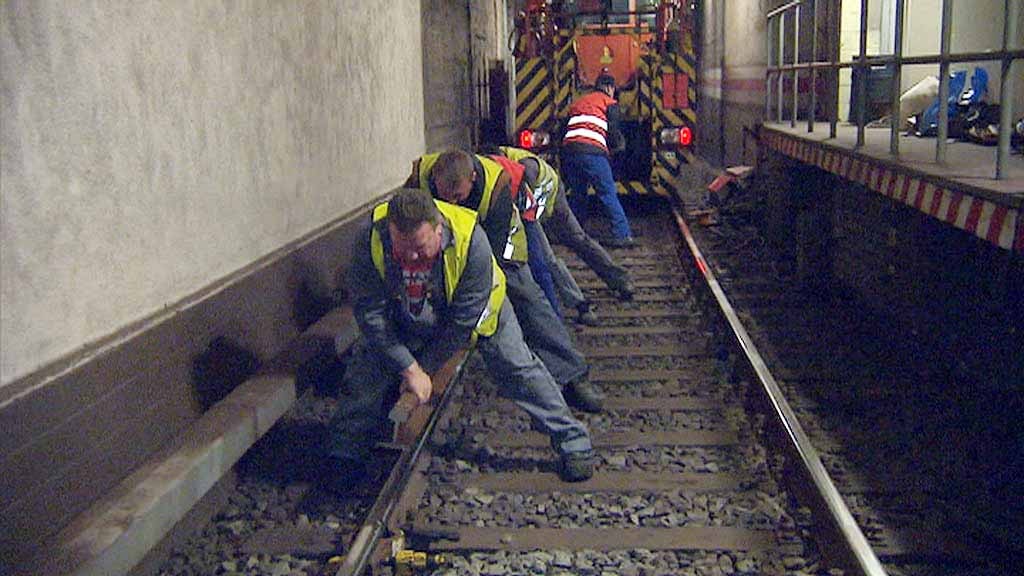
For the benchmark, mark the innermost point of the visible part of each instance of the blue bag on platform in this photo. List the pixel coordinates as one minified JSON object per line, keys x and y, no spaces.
{"x":928,"y":126}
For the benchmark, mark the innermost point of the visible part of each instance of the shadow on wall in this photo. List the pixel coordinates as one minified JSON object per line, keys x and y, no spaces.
{"x":313,"y":297}
{"x":219,"y":369}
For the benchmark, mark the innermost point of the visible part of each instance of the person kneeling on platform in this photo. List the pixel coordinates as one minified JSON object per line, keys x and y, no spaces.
{"x":425,"y":284}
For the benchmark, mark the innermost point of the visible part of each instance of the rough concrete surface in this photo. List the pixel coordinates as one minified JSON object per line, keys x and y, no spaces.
{"x":150,"y":148}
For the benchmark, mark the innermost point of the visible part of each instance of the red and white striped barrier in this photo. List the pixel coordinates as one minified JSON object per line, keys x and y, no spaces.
{"x":998,"y":224}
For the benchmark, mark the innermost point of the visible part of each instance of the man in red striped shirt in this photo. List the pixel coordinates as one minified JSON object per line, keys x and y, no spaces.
{"x":592,"y":126}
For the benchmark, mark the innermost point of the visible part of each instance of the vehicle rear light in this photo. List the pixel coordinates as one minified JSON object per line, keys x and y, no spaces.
{"x":685,"y":136}
{"x":533,"y":139}
{"x":672,"y":137}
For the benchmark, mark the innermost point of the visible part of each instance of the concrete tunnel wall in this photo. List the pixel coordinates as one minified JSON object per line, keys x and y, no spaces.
{"x":175,"y":173}
{"x":151,"y":148}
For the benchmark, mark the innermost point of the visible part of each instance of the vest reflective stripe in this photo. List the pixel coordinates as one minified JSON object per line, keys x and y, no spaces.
{"x":588,"y":120}
{"x":461,"y":222}
{"x":577,"y":134}
{"x":546,"y":186}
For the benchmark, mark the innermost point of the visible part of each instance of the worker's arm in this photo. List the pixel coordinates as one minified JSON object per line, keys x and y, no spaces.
{"x":531,"y":169}
{"x":370,"y":303}
{"x":616,"y":141}
{"x":467,"y":305}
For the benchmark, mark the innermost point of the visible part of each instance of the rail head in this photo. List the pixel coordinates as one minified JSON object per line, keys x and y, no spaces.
{"x":370,"y":533}
{"x":856,"y":552}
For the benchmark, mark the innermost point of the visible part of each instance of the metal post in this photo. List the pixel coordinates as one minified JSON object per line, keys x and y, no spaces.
{"x":796,"y":60}
{"x":1011,"y":15}
{"x":811,"y":112}
{"x":943,"y":121}
{"x":768,"y":74}
{"x":862,"y":86}
{"x":897,"y":80}
{"x":782,"y":48}
{"x":834,"y":94}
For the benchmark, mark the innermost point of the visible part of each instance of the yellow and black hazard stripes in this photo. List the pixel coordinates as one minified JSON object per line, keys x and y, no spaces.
{"x":533,"y":93}
{"x":637,"y":187}
{"x":565,"y":73}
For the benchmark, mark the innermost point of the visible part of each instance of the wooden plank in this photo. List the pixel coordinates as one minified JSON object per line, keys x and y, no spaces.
{"x":607,"y":539}
{"x":596,"y":331}
{"x":645,"y":350}
{"x":584,"y":272}
{"x":663,"y":281}
{"x":677,"y":404}
{"x":409,"y":418}
{"x":623,"y":439}
{"x":645,"y":375}
{"x":641,"y":297}
{"x":530,"y":482}
{"x":646,"y":313}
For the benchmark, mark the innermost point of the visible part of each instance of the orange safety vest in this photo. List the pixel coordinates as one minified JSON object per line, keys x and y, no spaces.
{"x":525,"y":201}
{"x":588,"y":120}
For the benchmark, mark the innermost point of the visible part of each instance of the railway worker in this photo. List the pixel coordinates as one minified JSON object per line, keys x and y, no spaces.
{"x":560,"y":224}
{"x":480,"y":184}
{"x":539,"y":255}
{"x":424,"y":284}
{"x":593,"y":123}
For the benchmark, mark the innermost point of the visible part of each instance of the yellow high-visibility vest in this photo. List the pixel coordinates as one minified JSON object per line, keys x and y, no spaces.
{"x":461,"y":222}
{"x":546,"y":186}
{"x":515,"y":244}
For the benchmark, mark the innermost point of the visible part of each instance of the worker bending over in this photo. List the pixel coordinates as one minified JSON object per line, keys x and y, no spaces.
{"x":425,"y":284}
{"x":593,"y":124}
{"x":560,"y":224}
{"x":480,"y":184}
{"x":539,"y":255}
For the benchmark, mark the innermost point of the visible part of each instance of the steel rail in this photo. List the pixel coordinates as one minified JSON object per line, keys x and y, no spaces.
{"x":854,"y":549}
{"x":377,"y":518}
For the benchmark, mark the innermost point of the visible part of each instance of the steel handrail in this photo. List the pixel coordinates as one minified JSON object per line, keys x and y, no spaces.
{"x":862,"y":61}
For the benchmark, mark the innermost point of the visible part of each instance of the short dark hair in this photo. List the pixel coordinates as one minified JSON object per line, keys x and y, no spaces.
{"x":411,"y":207}
{"x":605,"y":81}
{"x":451,"y":168}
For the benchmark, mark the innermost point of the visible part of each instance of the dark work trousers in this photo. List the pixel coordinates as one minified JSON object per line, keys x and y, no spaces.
{"x":565,"y":285}
{"x":544,"y":333}
{"x":581,"y":171}
{"x":541,"y":264}
{"x":514,"y":369}
{"x":563,"y":228}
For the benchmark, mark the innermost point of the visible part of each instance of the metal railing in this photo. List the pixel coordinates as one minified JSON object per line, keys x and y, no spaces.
{"x":863,"y":62}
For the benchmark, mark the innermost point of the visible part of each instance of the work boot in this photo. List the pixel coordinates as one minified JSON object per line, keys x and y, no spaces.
{"x":581,"y":395}
{"x":576,"y":467}
{"x":586,"y":315}
{"x":626,"y":291}
{"x":627,"y":242}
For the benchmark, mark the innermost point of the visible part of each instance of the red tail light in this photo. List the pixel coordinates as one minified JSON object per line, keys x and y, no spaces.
{"x":533,"y":139}
{"x":675,"y":137}
{"x":685,"y":136}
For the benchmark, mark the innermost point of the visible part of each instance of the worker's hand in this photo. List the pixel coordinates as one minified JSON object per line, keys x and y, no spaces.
{"x":415,"y":380}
